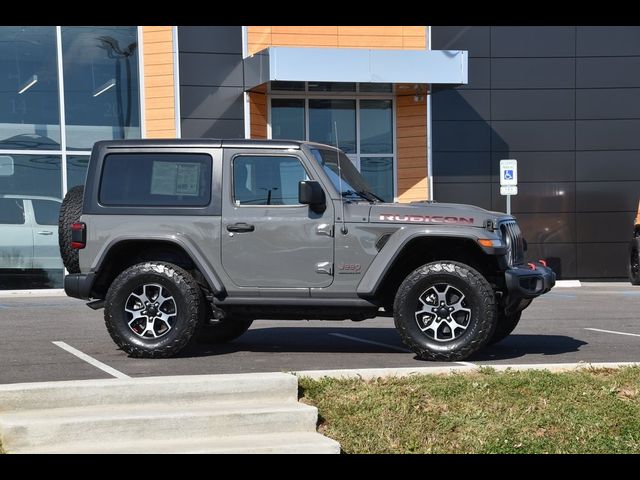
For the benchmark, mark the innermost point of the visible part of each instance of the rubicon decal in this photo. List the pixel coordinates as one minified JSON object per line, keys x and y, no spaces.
{"x":425,"y":219}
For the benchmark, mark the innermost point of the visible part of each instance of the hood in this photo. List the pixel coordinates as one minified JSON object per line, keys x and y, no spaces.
{"x":430,"y":213}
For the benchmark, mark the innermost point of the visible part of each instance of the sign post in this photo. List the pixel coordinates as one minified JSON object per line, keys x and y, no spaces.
{"x":508,"y":180}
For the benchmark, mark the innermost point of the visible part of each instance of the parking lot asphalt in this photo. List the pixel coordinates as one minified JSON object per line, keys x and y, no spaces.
{"x":593,"y":323}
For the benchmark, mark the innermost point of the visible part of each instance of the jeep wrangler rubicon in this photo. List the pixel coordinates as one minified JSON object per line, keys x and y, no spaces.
{"x":182,"y":239}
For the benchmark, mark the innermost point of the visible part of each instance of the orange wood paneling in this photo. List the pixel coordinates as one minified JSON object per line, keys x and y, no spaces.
{"x":258,"y":120}
{"x":411,"y":134}
{"x":159,"y":93}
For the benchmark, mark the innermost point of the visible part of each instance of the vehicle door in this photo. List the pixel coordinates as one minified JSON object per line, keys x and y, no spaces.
{"x":16,"y":241}
{"x":46,"y":252}
{"x":269,"y":239}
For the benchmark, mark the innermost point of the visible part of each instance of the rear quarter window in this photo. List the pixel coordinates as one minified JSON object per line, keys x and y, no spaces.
{"x":156,"y":180}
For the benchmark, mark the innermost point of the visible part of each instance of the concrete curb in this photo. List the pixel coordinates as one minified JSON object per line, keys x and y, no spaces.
{"x":372,"y":373}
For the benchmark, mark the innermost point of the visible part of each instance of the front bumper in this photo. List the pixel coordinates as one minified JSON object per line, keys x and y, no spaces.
{"x":78,"y":285}
{"x":529,"y":281}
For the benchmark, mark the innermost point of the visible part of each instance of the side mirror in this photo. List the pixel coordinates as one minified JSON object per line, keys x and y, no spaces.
{"x":311,"y":193}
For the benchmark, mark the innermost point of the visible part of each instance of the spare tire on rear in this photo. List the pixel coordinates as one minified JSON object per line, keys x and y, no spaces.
{"x":70,"y":212}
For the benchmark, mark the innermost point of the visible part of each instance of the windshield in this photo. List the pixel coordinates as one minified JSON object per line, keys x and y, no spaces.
{"x":346,"y":179}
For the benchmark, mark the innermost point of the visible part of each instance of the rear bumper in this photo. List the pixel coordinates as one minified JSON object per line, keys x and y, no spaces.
{"x":78,"y":285}
{"x":526,"y":283}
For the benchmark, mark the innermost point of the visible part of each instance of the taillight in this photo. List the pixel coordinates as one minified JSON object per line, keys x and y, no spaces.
{"x":78,"y":235}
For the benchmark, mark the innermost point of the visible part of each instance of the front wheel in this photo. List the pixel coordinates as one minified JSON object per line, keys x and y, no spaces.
{"x":445,"y":311}
{"x":152,"y":309}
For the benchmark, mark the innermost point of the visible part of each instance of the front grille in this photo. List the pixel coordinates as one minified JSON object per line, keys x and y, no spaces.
{"x":515,"y":243}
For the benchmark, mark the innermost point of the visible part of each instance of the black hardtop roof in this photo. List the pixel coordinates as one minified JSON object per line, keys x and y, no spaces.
{"x":206,"y":142}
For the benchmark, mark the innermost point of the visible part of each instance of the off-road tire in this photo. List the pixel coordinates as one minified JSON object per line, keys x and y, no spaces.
{"x":189,"y":301}
{"x":70,"y":212}
{"x":505,"y":325}
{"x":480,"y":300}
{"x":633,"y":267}
{"x":222,"y":331}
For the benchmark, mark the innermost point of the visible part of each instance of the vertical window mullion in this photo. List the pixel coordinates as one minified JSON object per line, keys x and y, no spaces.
{"x":63,"y":129}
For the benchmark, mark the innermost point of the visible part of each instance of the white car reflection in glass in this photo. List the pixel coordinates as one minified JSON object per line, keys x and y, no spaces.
{"x":29,"y":232}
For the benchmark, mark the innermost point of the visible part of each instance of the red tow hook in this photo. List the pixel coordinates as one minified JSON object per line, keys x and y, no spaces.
{"x":532,"y":266}
{"x":543,"y":262}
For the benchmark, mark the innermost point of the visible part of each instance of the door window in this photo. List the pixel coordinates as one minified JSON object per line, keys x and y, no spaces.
{"x":11,"y":211}
{"x":267,"y":180}
{"x":46,"y":211}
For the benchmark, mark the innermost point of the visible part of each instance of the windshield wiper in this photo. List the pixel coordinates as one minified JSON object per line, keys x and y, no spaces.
{"x":369,"y":196}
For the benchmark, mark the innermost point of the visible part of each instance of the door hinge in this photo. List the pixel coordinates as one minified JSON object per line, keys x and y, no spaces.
{"x":325,"y":229}
{"x":324,"y":267}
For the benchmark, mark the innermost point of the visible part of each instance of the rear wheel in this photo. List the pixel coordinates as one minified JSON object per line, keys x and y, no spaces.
{"x":505,"y":325}
{"x":70,"y":212}
{"x":152,"y":309}
{"x":445,"y":311}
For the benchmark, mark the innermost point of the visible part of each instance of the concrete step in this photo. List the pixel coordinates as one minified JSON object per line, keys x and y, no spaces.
{"x":296,"y":442}
{"x":188,"y":388}
{"x":105,"y":424}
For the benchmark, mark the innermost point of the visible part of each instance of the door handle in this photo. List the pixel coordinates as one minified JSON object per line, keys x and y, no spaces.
{"x":45,"y":232}
{"x":241,"y":227}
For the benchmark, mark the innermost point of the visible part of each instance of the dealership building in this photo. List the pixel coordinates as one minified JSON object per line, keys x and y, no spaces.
{"x":424,"y":112}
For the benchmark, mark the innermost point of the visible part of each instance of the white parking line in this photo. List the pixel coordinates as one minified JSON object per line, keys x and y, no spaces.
{"x":611,"y":331}
{"x":91,"y":360}
{"x":400,"y":349}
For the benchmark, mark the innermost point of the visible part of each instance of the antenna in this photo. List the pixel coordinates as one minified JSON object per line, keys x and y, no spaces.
{"x":344,"y":224}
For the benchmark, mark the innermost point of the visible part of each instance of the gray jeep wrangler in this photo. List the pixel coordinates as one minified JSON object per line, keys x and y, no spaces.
{"x":182,"y":239}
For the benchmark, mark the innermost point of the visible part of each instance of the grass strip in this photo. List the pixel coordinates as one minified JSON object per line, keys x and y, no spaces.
{"x":586,"y":411}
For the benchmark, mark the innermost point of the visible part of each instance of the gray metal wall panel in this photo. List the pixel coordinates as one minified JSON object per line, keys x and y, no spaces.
{"x":470,"y":193}
{"x":608,"y":135}
{"x":548,"y":227}
{"x":532,"y":72}
{"x":212,"y":128}
{"x":607,"y":196}
{"x":608,"y":72}
{"x":476,"y":40}
{"x":608,"y":41}
{"x":461,"y":136}
{"x":604,"y":226}
{"x":543,"y":197}
{"x":212,"y":102}
{"x":479,"y":74}
{"x":210,"y":69}
{"x":211,"y":81}
{"x":602,"y":260}
{"x":533,"y":41}
{"x":606,"y":165}
{"x":538,"y":166}
{"x":532,"y":135}
{"x":454,"y":104}
{"x":206,"y":39}
{"x":459,"y":167}
{"x":533,"y":104}
{"x":607,"y":103}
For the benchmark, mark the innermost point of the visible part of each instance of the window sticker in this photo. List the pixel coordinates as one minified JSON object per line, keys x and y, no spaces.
{"x":170,"y":178}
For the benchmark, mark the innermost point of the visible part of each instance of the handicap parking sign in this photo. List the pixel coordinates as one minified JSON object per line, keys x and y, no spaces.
{"x":508,"y":172}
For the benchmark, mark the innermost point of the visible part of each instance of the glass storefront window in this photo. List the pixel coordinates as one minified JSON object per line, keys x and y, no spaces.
{"x":376,"y":126}
{"x":101,"y":94}
{"x":100,"y":84}
{"x":30,"y":198}
{"x":325,"y":114}
{"x":332,"y":87}
{"x":378,"y":172}
{"x":29,"y":110}
{"x":287,"y":119}
{"x":76,"y":170}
